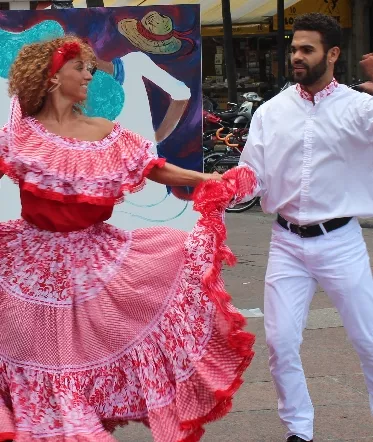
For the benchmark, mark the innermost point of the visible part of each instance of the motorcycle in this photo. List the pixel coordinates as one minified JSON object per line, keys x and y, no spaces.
{"x":235,"y":117}
{"x":247,"y":109}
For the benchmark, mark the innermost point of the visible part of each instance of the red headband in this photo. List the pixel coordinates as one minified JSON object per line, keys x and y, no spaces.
{"x":63,"y":54}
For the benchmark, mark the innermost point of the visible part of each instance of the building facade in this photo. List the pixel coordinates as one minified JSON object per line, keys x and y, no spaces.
{"x":361,"y":35}
{"x":255,"y":43}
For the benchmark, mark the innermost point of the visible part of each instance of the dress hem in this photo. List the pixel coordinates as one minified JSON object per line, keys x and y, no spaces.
{"x":210,"y":198}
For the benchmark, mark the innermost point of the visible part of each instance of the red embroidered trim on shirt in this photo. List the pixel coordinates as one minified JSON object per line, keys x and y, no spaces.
{"x":330,"y":88}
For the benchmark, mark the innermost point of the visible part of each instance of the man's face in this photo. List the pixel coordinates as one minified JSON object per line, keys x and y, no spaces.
{"x":308,"y":58}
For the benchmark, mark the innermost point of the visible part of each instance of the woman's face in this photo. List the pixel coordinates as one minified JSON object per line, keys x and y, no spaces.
{"x":74,"y":78}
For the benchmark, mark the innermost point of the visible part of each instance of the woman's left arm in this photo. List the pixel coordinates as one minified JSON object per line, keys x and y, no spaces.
{"x":171,"y":175}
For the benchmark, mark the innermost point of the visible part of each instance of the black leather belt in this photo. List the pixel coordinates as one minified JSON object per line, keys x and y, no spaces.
{"x":312,"y":231}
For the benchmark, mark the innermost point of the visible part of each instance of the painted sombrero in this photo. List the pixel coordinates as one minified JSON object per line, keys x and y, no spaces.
{"x":155,"y":34}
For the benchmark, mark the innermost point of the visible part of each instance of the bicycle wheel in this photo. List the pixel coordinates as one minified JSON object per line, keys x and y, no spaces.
{"x":242,"y":207}
{"x":209,"y":160}
{"x":224,"y":163}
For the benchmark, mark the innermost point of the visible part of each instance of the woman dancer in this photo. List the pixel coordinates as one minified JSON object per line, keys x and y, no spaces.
{"x":100,"y":326}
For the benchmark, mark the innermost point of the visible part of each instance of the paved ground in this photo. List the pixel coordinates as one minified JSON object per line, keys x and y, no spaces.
{"x":334,"y":376}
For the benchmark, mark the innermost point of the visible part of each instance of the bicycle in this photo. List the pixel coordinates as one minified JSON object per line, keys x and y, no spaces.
{"x":222,"y":161}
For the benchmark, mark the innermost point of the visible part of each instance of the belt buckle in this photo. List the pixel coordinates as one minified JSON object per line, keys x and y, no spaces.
{"x":302,"y":231}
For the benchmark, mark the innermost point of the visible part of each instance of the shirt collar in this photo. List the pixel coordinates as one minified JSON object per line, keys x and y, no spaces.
{"x":329,"y":89}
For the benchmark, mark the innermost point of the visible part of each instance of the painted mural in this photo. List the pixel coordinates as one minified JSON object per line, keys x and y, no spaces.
{"x":149,"y":63}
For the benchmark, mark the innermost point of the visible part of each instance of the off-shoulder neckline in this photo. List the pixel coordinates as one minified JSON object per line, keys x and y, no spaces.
{"x":38,"y":127}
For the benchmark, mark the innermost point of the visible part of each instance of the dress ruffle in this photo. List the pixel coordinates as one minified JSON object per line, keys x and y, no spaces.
{"x":176,"y":372}
{"x":73,"y":171}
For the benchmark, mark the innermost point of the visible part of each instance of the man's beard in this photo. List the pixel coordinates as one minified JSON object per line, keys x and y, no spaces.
{"x":311,"y":75}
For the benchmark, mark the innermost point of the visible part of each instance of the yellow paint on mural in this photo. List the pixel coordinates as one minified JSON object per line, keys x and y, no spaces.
{"x":218,"y":31}
{"x":340,"y":9}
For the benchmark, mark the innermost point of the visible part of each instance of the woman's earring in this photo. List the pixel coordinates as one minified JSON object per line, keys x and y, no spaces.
{"x":53,"y":88}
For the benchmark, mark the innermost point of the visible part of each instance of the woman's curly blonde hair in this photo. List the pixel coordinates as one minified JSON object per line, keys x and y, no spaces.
{"x":29,"y":74}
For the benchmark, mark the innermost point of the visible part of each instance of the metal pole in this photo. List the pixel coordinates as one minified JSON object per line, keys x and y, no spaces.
{"x":281,"y":42}
{"x":230,"y":63}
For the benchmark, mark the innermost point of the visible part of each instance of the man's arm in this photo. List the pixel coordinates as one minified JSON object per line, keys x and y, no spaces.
{"x":253,"y":154}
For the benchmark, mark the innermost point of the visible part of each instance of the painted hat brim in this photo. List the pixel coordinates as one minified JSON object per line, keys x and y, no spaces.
{"x":128,"y":28}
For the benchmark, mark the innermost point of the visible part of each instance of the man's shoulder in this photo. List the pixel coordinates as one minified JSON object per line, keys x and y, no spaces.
{"x":280,"y":99}
{"x":352,"y":97}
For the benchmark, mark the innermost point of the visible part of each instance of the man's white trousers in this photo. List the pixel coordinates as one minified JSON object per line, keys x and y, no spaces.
{"x":338,"y":261}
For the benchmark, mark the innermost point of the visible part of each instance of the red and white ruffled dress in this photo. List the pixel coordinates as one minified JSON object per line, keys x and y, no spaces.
{"x":100,"y":326}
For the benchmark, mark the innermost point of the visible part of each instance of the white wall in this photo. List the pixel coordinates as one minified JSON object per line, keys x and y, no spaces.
{"x":17,"y":5}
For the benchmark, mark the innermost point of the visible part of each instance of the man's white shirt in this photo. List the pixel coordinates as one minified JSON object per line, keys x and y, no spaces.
{"x":313,"y":160}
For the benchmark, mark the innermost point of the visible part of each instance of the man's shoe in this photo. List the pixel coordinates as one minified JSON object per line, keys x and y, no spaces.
{"x":297,"y":439}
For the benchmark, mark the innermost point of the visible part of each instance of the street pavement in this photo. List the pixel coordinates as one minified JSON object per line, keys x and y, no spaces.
{"x":332,"y":368}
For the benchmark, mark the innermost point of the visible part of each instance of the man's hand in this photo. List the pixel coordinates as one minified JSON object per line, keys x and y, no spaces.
{"x":367,"y":65}
{"x":367,"y":87}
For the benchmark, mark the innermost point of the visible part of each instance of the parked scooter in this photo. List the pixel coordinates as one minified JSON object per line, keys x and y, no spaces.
{"x":247,"y":109}
{"x":237,"y":117}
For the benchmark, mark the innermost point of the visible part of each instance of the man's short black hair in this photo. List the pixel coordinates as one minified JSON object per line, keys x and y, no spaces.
{"x":327,"y":26}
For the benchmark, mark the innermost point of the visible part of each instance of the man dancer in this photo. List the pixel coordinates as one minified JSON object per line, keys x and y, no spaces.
{"x":311,"y":148}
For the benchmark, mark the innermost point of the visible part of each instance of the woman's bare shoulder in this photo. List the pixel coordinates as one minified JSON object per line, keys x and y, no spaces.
{"x":101,"y":125}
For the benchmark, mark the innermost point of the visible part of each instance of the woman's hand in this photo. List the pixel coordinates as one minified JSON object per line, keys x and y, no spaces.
{"x":213,"y":176}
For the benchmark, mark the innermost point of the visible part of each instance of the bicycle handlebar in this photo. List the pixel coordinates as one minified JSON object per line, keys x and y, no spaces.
{"x":226,"y":140}
{"x":218,"y":132}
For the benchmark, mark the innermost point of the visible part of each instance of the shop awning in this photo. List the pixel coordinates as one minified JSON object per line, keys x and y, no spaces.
{"x":243,"y":11}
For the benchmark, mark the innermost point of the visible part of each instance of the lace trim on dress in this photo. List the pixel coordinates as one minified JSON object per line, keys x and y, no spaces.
{"x":73,"y":171}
